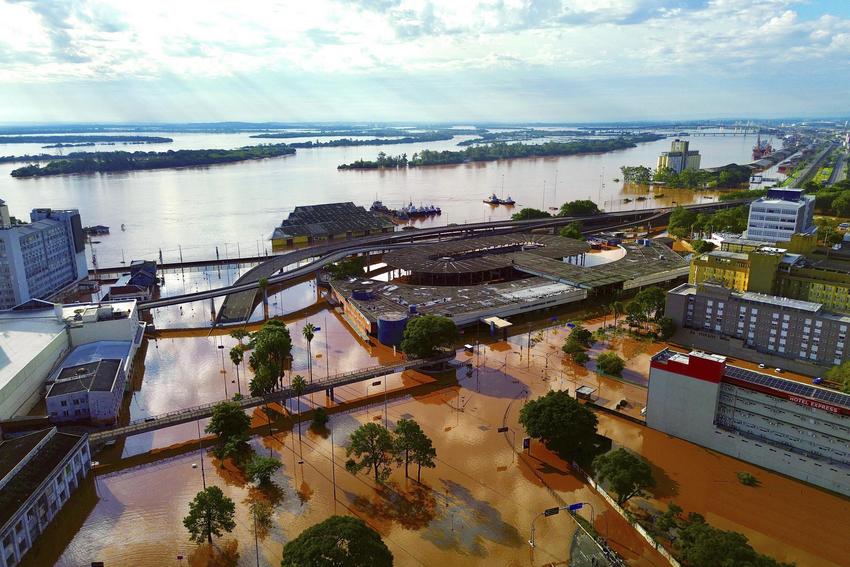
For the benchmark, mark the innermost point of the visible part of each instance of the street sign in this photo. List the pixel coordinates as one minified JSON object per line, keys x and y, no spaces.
{"x":502,"y":430}
{"x":317,"y":329}
{"x":377,"y":383}
{"x":551,"y":511}
{"x":526,"y":443}
{"x":574,"y":507}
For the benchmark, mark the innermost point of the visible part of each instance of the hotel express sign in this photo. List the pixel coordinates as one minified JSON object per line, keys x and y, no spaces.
{"x":814,"y":404}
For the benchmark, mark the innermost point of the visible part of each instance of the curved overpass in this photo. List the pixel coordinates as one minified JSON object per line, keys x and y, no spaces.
{"x":241,"y":294}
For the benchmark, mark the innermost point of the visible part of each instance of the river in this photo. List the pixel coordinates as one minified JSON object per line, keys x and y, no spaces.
{"x":190,"y":211}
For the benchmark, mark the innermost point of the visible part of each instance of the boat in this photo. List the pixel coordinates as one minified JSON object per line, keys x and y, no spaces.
{"x":122,"y":227}
{"x":761,"y":149}
{"x":493,"y":200}
{"x":379,"y":207}
{"x":508,"y":201}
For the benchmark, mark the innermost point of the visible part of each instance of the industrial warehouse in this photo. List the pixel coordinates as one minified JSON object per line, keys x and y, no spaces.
{"x":495,"y":276}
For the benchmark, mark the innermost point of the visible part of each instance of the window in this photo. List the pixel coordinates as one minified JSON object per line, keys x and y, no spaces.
{"x":64,"y":403}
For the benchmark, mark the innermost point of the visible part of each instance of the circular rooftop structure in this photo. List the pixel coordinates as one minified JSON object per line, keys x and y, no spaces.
{"x":476,"y":260}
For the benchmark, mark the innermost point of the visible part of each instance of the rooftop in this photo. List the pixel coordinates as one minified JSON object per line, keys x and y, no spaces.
{"x":22,"y":337}
{"x":40,"y":465}
{"x":330,"y":219}
{"x":90,"y":367}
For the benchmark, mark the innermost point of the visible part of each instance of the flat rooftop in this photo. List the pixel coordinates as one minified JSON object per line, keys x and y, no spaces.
{"x":452,"y":301}
{"x":90,"y":367}
{"x":22,"y":337}
{"x":20,"y":487}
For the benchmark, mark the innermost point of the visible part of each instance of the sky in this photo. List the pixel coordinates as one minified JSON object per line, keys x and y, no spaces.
{"x":422,"y":60}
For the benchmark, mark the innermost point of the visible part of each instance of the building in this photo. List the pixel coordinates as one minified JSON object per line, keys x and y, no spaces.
{"x":41,"y":258}
{"x":38,"y":473}
{"x":139,"y":283}
{"x":679,"y":158}
{"x":34,"y":343}
{"x":781,"y":332}
{"x":89,"y":384}
{"x":331,"y":221}
{"x":771,"y":421}
{"x":780,"y":214}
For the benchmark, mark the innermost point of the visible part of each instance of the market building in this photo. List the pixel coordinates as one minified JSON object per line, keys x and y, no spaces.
{"x":798,"y":429}
{"x":330,"y":221}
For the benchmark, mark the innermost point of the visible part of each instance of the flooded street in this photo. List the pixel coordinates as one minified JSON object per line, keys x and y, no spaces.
{"x":474,"y":508}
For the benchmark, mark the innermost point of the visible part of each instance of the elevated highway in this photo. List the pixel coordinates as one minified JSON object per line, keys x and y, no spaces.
{"x":241,"y":294}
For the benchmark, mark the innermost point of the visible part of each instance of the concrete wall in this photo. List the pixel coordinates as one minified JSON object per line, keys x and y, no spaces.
{"x":681,"y":406}
{"x":25,"y":389}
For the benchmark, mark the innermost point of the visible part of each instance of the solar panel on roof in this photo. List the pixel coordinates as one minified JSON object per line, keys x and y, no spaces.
{"x":782,"y":385}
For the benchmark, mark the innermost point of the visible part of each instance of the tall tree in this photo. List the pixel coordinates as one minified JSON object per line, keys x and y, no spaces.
{"x":236,"y":357}
{"x":371,"y":446}
{"x":261,"y":468}
{"x":627,"y":474}
{"x":617,"y":308}
{"x":309,"y":331}
{"x":424,"y":335}
{"x":298,"y":386}
{"x":272,"y":347}
{"x":339,"y":540}
{"x":210,"y":514}
{"x":560,"y":422}
{"x":409,"y":441}
{"x":230,"y":423}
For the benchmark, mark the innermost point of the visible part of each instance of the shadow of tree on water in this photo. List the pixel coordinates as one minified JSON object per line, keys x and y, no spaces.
{"x":412,"y":507}
{"x":219,"y":554}
{"x":464,"y":523}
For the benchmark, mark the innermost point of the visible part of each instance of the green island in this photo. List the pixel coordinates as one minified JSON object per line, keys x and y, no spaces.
{"x":376,"y":133}
{"x":62,"y":145}
{"x":500,"y":150}
{"x":525,"y":134}
{"x":105,"y":162}
{"x":729,"y":176}
{"x":344,"y":142}
{"x":66,"y":139}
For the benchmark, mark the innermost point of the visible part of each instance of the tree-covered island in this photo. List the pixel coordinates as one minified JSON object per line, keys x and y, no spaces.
{"x":106,"y":162}
{"x":69,"y":139}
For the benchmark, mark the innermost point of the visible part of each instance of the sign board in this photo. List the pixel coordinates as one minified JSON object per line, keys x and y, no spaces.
{"x":551,"y":511}
{"x":502,"y":430}
{"x":574,"y":507}
{"x":376,"y":383}
{"x":526,"y":443}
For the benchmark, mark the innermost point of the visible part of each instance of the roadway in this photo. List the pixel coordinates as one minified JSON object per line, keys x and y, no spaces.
{"x":333,"y":252}
{"x":187,"y":415}
{"x":838,"y":170}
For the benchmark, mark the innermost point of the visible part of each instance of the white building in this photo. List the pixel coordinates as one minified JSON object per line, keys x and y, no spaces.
{"x":783,"y":212}
{"x":40,"y":258}
{"x":38,"y":473}
{"x":33,"y":342}
{"x":797,"y":429}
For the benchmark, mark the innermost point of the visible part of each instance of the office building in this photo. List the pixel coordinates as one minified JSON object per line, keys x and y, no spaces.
{"x":679,"y":158}
{"x":781,"y":332}
{"x":41,"y":258}
{"x":770,"y":420}
{"x":38,"y":473}
{"x":779,"y":214}
{"x":34,"y":343}
{"x":331,"y":221}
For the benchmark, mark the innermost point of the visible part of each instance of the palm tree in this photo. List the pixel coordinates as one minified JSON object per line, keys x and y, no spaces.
{"x":298,"y":385}
{"x":618,"y":308}
{"x":236,"y":356}
{"x":309,"y":331}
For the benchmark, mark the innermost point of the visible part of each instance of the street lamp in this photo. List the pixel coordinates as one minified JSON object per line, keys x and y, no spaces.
{"x":506,"y":429}
{"x":223,"y":371}
{"x":571,"y":508}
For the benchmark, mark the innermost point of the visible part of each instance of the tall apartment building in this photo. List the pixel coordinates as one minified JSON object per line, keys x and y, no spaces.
{"x":778,"y":423}
{"x":779,"y":214}
{"x":40,"y":258}
{"x":679,"y":158}
{"x":782,"y":332}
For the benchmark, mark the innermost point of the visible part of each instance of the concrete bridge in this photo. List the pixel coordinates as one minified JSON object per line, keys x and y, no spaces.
{"x":187,"y":415}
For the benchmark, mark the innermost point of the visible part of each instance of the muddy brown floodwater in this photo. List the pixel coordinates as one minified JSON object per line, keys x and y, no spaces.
{"x":474,"y":508}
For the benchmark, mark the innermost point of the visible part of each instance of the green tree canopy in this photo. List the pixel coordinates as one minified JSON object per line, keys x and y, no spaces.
{"x":272,"y":346}
{"x":529,"y":213}
{"x":841,"y":375}
{"x":261,"y":469}
{"x":560,"y":422}
{"x":264,"y":380}
{"x":609,"y":363}
{"x":412,"y":445}
{"x":702,"y":246}
{"x":424,"y":335}
{"x":344,"y":269}
{"x":681,"y":220}
{"x":370,"y":447}
{"x":230,"y":423}
{"x":581,"y":207}
{"x":666,"y":328}
{"x":572,"y":230}
{"x":702,"y":545}
{"x":627,"y":474}
{"x":339,"y":541}
{"x":210,"y":514}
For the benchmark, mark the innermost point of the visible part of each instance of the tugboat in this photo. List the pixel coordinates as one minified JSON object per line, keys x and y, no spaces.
{"x":379,"y":207}
{"x":493,"y":200}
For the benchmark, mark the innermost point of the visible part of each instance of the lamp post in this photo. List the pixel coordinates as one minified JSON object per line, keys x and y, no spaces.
{"x":223,"y":371}
{"x":571,"y":508}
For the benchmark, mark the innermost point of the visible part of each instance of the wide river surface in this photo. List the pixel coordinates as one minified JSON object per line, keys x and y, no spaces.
{"x":235,"y":207}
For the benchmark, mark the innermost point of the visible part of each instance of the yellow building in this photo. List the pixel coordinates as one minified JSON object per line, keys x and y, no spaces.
{"x":679,"y":158}
{"x":729,"y":269}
